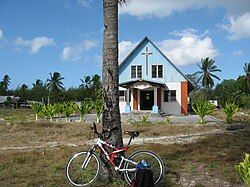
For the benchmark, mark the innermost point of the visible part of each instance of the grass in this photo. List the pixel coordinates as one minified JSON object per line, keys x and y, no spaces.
{"x":213,"y":156}
{"x":15,"y":115}
{"x":243,"y":116}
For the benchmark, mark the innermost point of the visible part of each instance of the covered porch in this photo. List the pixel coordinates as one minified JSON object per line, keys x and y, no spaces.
{"x":141,"y":95}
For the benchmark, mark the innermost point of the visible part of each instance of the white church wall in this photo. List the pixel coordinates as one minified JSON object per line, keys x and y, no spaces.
{"x":172,"y":107}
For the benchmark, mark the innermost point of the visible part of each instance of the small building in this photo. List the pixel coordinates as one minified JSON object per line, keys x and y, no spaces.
{"x":149,"y":81}
{"x":13,"y":101}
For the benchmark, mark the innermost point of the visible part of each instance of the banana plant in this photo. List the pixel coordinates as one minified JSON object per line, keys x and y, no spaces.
{"x":49,"y":111}
{"x":202,"y":109}
{"x":98,"y":107}
{"x":59,"y":109}
{"x":37,"y":108}
{"x":68,"y":109}
{"x":243,"y":168}
{"x":84,"y":108}
{"x":230,"y":109}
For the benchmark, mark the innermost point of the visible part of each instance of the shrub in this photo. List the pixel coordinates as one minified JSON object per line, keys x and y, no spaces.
{"x":145,"y":119}
{"x":197,"y":97}
{"x":98,"y":107}
{"x":84,"y":108}
{"x":230,"y":109}
{"x":243,"y":168}
{"x":37,"y":108}
{"x":68,"y":109}
{"x":49,"y":111}
{"x":202,"y":109}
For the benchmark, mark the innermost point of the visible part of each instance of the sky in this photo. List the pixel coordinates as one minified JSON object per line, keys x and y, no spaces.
{"x":39,"y":37}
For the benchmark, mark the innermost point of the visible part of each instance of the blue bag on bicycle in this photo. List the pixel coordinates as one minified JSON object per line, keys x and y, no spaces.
{"x":144,"y":176}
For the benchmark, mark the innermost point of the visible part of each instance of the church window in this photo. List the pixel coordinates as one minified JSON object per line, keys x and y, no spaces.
{"x":136,"y":71}
{"x":157,"y":71}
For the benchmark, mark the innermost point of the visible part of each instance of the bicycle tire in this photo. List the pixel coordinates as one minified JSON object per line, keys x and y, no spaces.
{"x":76,"y":175}
{"x":150,"y":157}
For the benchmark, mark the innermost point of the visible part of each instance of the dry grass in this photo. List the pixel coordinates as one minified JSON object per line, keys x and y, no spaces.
{"x":31,"y":133}
{"x":15,"y":115}
{"x":214,"y":154}
{"x":243,"y":116}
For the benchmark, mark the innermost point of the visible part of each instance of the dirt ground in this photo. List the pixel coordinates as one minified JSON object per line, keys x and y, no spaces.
{"x":35,"y":153}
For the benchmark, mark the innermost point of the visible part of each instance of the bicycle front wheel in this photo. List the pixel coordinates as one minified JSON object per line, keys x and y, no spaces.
{"x":83,"y":168}
{"x":150,"y":157}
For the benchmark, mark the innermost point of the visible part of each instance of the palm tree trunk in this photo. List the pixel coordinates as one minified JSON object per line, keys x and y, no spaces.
{"x":111,"y":114}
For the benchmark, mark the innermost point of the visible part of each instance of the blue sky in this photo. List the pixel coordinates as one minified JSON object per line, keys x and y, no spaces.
{"x":42,"y":37}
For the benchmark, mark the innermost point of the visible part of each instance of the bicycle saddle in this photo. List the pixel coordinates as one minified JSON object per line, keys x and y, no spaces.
{"x":132,"y":133}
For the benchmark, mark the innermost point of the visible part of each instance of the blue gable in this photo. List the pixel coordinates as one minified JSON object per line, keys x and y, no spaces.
{"x":170,"y":72}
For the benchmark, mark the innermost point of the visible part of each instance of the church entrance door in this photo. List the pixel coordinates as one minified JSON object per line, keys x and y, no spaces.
{"x":146,"y":100}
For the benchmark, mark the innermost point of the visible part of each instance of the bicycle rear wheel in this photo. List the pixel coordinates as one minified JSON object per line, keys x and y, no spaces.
{"x":150,"y":157}
{"x":83,"y":168}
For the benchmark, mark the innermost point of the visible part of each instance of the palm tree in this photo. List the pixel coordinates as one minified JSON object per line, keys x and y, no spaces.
{"x":206,"y":73}
{"x":39,"y":91}
{"x":5,"y":82}
{"x":38,"y":83}
{"x":247,"y":76}
{"x":86,"y":82}
{"x":96,"y":82}
{"x":54,"y":83}
{"x":23,"y":92}
{"x":111,"y":114}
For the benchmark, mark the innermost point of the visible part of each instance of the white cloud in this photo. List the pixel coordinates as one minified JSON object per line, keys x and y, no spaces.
{"x":36,"y":44}
{"x":161,"y":8}
{"x":1,"y":34}
{"x":84,"y":3}
{"x":189,"y":48}
{"x":238,"y":26}
{"x":238,"y":53}
{"x":125,"y":47}
{"x":73,"y":53}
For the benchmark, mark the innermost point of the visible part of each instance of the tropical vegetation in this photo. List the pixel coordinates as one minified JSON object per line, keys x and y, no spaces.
{"x":206,"y":76}
{"x":243,"y":168}
{"x":230,"y":109}
{"x":202,"y":109}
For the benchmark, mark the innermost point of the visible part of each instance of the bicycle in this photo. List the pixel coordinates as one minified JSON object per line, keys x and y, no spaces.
{"x":83,"y":168}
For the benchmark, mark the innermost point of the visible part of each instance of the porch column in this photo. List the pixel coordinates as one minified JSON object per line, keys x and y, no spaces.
{"x":127,"y":107}
{"x":184,"y":98}
{"x":155,"y":107}
{"x":135,"y":99}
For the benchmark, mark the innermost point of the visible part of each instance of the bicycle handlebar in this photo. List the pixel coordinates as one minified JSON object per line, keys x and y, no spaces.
{"x":105,"y":133}
{"x":95,"y":131}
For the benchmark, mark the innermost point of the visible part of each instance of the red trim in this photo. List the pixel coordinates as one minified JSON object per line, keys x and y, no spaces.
{"x":184,"y":96}
{"x":115,"y":152}
{"x":135,"y":99}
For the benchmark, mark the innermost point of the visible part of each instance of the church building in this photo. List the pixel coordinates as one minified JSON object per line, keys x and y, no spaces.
{"x":149,"y":81}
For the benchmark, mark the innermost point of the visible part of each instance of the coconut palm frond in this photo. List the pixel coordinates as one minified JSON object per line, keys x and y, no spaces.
{"x":215,"y":76}
{"x":121,"y":2}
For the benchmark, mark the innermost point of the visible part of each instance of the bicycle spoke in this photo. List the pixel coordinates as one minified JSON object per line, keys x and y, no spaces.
{"x":79,"y":176}
{"x":155,"y":165}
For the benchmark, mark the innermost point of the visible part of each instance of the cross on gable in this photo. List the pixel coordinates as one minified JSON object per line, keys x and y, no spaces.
{"x":147,"y":53}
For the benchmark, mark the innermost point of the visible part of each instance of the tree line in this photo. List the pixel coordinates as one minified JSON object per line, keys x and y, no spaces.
{"x":228,"y":91}
{"x":52,"y":90}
